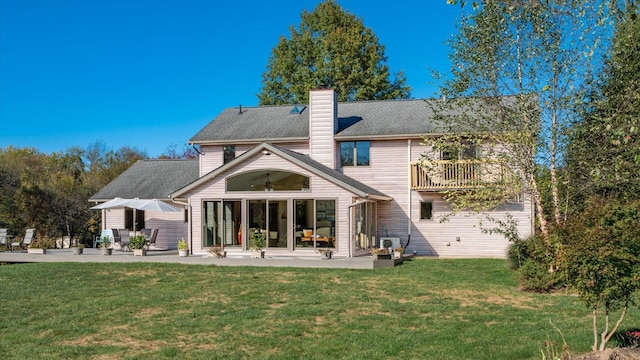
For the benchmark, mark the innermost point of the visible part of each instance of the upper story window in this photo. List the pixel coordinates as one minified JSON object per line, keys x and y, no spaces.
{"x":229,"y":153}
{"x":354,"y":153}
{"x":467,"y":151}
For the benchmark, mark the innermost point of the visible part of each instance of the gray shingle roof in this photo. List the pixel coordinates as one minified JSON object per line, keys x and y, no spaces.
{"x":150,"y":179}
{"x":355,"y":119}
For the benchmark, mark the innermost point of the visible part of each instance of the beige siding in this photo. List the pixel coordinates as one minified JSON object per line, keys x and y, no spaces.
{"x":114,"y":218}
{"x":212,"y":155}
{"x":319,"y":189}
{"x":462,"y":235}
{"x":210,"y":158}
{"x":389,"y":174}
{"x":322,"y":117}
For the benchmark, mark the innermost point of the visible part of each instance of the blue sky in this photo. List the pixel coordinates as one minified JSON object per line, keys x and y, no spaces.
{"x":151,"y":74}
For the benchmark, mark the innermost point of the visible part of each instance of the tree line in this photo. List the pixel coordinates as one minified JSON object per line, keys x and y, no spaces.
{"x":50,"y":192}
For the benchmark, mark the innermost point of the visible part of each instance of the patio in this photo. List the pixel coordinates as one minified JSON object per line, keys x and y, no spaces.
{"x":171,"y":256}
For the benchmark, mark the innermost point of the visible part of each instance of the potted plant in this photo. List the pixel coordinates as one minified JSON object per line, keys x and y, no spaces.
{"x":258,"y":243}
{"x":183,"y":248}
{"x":398,"y":253}
{"x":137,"y":244}
{"x":40,"y":246}
{"x":326,"y":253}
{"x":380,"y":253}
{"x":218,"y":252}
{"x":78,"y":248}
{"x":105,"y":243}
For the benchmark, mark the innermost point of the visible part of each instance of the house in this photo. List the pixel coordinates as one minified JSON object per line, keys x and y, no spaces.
{"x":327,"y":175}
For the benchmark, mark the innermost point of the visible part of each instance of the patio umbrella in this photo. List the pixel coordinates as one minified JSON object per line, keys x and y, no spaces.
{"x":113,"y":203}
{"x":139,"y":204}
{"x":152,"y":205}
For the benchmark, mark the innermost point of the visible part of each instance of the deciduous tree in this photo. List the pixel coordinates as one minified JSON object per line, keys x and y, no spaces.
{"x":601,"y":256}
{"x":330,"y":47}
{"x":604,"y":152}
{"x":517,"y":70}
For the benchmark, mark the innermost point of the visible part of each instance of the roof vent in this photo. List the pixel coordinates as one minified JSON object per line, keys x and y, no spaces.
{"x":298,"y":109}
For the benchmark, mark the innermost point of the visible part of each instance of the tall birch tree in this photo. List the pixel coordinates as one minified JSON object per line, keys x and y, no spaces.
{"x":520,"y":67}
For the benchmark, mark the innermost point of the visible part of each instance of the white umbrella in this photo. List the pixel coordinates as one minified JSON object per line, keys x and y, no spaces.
{"x":152,"y":205}
{"x":113,"y":203}
{"x":146,"y":205}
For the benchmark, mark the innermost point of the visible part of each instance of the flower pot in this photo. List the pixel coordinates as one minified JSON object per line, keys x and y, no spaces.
{"x":36,"y":251}
{"x":140,"y":252}
{"x":77,"y":250}
{"x":183,"y":252}
{"x":257,"y":254}
{"x":106,"y":251}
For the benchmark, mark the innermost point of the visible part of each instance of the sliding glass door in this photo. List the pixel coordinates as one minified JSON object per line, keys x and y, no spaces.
{"x":221,"y":223}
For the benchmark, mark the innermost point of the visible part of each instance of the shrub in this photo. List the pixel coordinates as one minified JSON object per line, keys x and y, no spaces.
{"x":42,"y":243}
{"x":258,"y":241}
{"x":533,"y":258}
{"x":137,"y":242}
{"x":535,"y":276}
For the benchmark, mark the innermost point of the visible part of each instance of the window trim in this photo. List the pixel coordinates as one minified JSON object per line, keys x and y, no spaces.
{"x":354,"y":146}
{"x":423,"y":203}
{"x":228,"y":150}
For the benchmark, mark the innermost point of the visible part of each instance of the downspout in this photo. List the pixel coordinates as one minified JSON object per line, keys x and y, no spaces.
{"x":189,"y":222}
{"x":409,"y":194}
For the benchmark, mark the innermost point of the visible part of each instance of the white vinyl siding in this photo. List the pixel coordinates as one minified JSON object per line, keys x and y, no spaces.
{"x":322,"y":117}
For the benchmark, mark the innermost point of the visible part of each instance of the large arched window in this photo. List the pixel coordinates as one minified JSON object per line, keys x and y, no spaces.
{"x":268,"y":180}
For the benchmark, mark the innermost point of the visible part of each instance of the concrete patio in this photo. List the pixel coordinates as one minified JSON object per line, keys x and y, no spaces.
{"x":171,"y":256}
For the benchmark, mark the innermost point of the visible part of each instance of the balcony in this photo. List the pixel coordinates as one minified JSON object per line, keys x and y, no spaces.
{"x":460,"y":174}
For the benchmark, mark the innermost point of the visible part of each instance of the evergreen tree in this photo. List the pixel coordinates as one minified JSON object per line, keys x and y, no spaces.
{"x":331,"y":47}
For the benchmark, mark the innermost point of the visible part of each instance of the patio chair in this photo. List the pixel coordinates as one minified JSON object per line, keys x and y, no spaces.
{"x":116,"y":236}
{"x":124,"y":240}
{"x":152,"y":238}
{"x":3,"y":237}
{"x":25,"y":241}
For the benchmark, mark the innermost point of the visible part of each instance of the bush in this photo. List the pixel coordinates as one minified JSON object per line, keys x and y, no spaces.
{"x":533,"y":258}
{"x":137,"y":242}
{"x":535,"y":276}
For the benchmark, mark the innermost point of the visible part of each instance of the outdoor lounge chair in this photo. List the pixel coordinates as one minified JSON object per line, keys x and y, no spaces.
{"x":3,"y":237}
{"x":152,"y":238}
{"x":25,"y":241}
{"x":124,"y":240}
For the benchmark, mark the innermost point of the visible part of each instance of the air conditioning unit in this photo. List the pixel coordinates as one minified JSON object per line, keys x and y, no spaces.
{"x":389,"y":242}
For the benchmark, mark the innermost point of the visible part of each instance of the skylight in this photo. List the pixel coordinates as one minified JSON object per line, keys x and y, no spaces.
{"x":298,"y":109}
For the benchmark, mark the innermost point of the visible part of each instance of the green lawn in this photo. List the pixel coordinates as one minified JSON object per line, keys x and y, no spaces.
{"x":424,"y":309}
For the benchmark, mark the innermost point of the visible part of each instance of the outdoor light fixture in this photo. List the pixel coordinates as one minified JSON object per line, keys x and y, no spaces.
{"x":267,"y":184}
{"x":266,"y":152}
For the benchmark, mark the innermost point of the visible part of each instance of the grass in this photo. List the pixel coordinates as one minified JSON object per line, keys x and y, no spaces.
{"x":426,"y":308}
